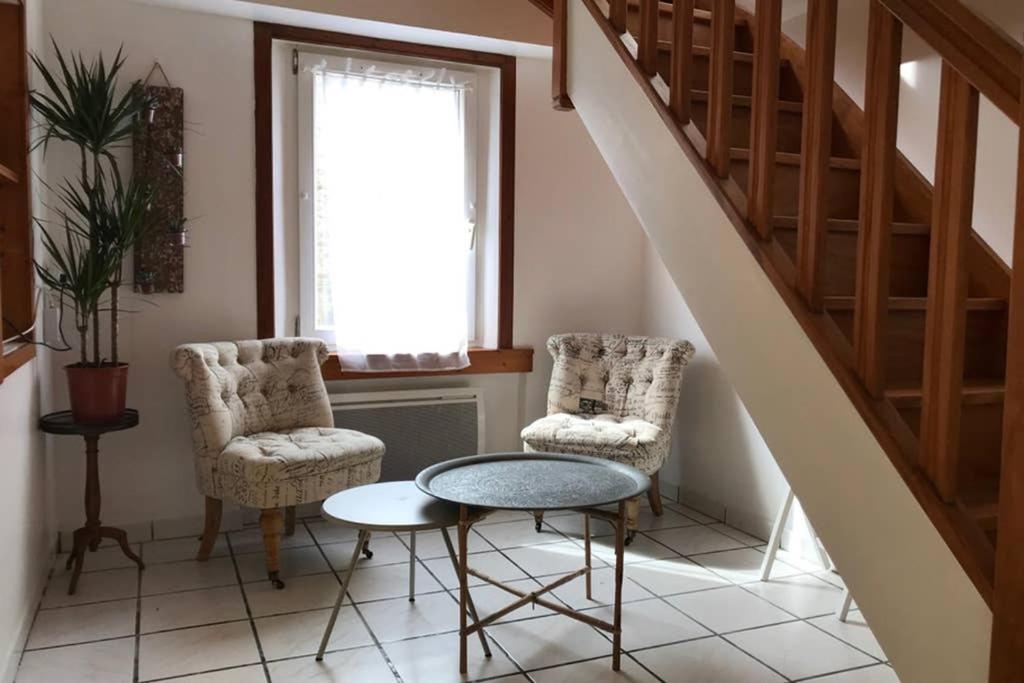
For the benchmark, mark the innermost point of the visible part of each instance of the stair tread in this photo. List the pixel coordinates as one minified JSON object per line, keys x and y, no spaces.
{"x":746,"y":101}
{"x":979,"y":500}
{"x":793,"y":159}
{"x":850,"y":225}
{"x":705,"y":51}
{"x":917,"y":303}
{"x":975,"y":392}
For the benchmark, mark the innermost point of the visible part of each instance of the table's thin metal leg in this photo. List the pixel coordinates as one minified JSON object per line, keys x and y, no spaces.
{"x":469,"y":598}
{"x":463,"y":588}
{"x":360,"y":545}
{"x":412,"y":567}
{"x":620,"y":535}
{"x":586,"y":549}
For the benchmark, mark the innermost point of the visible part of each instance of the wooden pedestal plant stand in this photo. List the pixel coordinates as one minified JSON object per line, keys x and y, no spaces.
{"x":90,"y":535}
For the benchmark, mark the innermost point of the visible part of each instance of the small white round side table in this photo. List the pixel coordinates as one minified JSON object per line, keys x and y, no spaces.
{"x":390,"y":506}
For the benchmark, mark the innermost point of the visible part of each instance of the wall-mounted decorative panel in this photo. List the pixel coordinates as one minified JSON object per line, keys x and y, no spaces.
{"x":159,"y":159}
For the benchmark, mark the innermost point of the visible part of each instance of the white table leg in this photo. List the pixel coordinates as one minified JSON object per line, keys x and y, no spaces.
{"x":844,"y":606}
{"x":776,"y":538}
{"x":412,"y":567}
{"x":360,"y":544}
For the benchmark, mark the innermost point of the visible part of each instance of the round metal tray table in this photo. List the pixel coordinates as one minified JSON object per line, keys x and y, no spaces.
{"x":536,"y":482}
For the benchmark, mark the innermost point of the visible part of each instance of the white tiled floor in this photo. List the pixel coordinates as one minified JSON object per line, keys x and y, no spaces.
{"x":694,"y":611}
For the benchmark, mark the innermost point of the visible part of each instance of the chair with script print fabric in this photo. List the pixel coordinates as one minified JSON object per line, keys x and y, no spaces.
{"x":614,"y":397}
{"x":264,"y":436}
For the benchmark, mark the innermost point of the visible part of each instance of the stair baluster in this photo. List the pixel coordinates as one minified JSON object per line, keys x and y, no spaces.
{"x":816,"y":149}
{"x":647,"y":52}
{"x":617,"y":13}
{"x":1007,"y":663}
{"x":681,"y":75}
{"x":559,"y":58}
{"x":723,"y":40}
{"x":877,"y":189}
{"x":764,"y":117}
{"x":946,"y":320}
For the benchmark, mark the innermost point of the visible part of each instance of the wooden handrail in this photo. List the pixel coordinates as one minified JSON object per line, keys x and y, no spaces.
{"x":764,"y":117}
{"x":816,"y":148}
{"x":878,"y":182}
{"x":990,"y":60}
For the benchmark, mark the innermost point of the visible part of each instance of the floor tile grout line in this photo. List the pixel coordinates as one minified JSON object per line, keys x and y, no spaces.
{"x":712,"y":631}
{"x":810,"y":623}
{"x":32,"y":626}
{"x":555,"y":596}
{"x":366,"y":624}
{"x":756,"y":659}
{"x":494,"y":641}
{"x":248,"y":608}
{"x":527,"y":575}
{"x":817,"y":677}
{"x":138,"y":617}
{"x":179,"y":677}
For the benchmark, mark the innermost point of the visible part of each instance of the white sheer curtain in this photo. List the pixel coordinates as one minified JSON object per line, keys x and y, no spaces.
{"x":393,"y":217}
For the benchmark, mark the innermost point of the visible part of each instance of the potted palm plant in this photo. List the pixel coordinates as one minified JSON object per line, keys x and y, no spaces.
{"x":99,"y":216}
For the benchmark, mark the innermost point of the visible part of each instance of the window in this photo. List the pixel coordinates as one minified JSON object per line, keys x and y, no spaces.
{"x":391,"y":247}
{"x":387,"y":211}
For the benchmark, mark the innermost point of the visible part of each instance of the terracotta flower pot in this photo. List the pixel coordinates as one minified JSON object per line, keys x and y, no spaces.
{"x":97,"y":393}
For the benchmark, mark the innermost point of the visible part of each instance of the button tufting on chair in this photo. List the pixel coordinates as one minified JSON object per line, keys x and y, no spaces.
{"x":276,"y":451}
{"x":634,"y":411}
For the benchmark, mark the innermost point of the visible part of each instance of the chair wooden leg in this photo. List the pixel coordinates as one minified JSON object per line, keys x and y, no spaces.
{"x":272,"y":524}
{"x":654,"y":496}
{"x":632,"y":518}
{"x":538,"y":518}
{"x":289,"y":520}
{"x":214,"y":509}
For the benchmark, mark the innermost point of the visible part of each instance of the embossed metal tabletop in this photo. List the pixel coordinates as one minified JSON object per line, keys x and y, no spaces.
{"x":532,"y":481}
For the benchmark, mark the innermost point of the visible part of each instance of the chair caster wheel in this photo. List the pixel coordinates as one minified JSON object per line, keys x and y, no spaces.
{"x":367,"y":553}
{"x":276,"y":581}
{"x":630,"y":535}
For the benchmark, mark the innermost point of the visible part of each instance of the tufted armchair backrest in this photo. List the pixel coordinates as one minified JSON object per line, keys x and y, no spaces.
{"x":618,"y":375}
{"x":245,"y":387}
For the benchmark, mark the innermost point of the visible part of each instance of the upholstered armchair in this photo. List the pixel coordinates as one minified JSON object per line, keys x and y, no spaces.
{"x":613,"y":397}
{"x":264,"y":436}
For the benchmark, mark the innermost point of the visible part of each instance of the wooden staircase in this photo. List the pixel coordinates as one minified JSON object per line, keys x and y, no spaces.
{"x":919,"y":320}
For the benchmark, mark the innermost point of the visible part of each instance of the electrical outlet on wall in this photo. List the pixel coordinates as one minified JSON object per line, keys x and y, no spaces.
{"x":51,"y":319}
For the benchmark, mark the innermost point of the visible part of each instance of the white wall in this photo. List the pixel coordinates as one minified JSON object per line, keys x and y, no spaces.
{"x":26,"y":525}
{"x":719,"y":460}
{"x":26,"y":488}
{"x":919,"y":110}
{"x":146,"y":473}
{"x":578,"y":251}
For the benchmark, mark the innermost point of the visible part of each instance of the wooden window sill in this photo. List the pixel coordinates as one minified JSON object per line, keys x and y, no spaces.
{"x":14,"y":357}
{"x":482,"y":362}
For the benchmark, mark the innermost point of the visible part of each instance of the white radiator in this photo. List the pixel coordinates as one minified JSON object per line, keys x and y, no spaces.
{"x":418,"y":428}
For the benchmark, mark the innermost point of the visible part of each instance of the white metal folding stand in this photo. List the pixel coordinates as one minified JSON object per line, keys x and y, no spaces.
{"x":776,"y":540}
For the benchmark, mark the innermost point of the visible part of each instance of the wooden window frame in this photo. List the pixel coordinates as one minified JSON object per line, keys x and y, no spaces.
{"x":504,"y":358}
{"x":16,"y":270}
